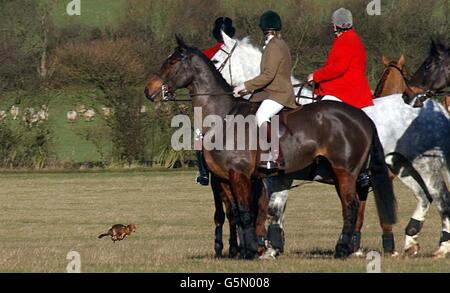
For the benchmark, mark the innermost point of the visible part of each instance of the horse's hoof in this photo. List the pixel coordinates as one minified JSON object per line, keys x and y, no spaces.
{"x":358,"y":254}
{"x":443,"y":250}
{"x":270,"y":254}
{"x":392,"y":254}
{"x":218,"y":249}
{"x":233,"y":252}
{"x":412,"y":251}
{"x":343,"y":251}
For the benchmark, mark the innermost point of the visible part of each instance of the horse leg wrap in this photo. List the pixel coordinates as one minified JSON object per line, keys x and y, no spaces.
{"x":261,"y":241}
{"x":218,"y":243}
{"x":344,"y":239}
{"x":343,"y":247}
{"x":445,"y":236}
{"x":245,"y":217}
{"x":356,"y":241}
{"x":251,"y":243}
{"x":275,"y":236}
{"x":388,"y":243}
{"x":413,"y":228}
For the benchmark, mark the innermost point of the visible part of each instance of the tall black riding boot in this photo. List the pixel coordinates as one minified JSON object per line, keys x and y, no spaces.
{"x":203,"y":177}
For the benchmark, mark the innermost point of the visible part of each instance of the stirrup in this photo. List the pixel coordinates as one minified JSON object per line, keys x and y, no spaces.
{"x":363,"y":180}
{"x":270,"y":165}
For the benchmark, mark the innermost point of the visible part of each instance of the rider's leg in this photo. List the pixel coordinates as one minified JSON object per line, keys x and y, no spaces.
{"x":203,"y":177}
{"x":266,"y":111}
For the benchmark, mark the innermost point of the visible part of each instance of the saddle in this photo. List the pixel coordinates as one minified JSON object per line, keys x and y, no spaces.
{"x":246,"y":107}
{"x":284,"y":116}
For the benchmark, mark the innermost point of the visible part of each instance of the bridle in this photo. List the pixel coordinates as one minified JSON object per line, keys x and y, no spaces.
{"x":168,"y":95}
{"x":416,"y":100}
{"x":228,"y":58}
{"x":420,"y":98}
{"x":384,"y":76}
{"x":446,"y":69}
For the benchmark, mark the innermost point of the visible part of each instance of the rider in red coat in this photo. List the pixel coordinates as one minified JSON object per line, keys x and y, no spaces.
{"x":343,"y":78}
{"x":226,"y":25}
{"x":344,"y":74}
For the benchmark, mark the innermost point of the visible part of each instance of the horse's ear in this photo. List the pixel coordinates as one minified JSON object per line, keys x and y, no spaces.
{"x":226,"y":39}
{"x":384,"y":60}
{"x":441,"y":47}
{"x":437,"y":47}
{"x":401,"y":61}
{"x":180,"y":41}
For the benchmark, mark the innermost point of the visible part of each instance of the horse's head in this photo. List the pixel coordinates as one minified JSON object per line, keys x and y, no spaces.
{"x":237,"y":61}
{"x":434,"y":73}
{"x":392,"y":80}
{"x":175,"y":73}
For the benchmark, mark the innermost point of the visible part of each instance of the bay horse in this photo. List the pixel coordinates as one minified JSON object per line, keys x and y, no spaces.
{"x":417,"y":147}
{"x":344,"y":136}
{"x":238,"y":61}
{"x":434,"y":73}
{"x":432,"y":76}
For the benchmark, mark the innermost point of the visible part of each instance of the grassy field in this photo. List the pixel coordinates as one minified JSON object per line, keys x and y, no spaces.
{"x":46,"y":215}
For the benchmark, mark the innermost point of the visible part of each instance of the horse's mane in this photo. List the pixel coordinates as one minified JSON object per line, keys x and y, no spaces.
{"x":383,"y":79}
{"x":246,"y":44}
{"x":218,"y":77}
{"x":439,"y":42}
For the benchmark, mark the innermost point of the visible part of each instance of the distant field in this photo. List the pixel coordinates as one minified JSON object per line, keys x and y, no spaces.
{"x":46,"y":215}
{"x":67,"y":144}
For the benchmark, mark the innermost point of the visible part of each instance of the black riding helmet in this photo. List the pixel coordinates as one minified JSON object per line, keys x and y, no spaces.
{"x":225,"y":24}
{"x":270,"y":21}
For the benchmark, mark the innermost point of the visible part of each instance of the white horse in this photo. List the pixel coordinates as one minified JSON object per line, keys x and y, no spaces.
{"x":415,"y":141}
{"x":239,"y":61}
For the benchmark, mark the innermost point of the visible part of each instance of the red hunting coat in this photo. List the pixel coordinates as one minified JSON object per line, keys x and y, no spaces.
{"x":210,"y":52}
{"x":344,"y":73}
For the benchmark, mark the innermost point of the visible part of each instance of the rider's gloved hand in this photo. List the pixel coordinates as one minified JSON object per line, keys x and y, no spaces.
{"x":310,"y":78}
{"x":237,"y":90}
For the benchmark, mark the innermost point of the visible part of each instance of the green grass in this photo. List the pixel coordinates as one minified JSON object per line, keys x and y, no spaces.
{"x":46,"y":215}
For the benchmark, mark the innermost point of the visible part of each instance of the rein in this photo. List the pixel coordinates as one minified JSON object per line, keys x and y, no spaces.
{"x":169,"y":97}
{"x":302,"y":86}
{"x":417,"y":99}
{"x":229,"y":54}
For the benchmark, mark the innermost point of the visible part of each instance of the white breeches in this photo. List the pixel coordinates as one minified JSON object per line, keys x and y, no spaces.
{"x":267,"y":110}
{"x":331,"y":98}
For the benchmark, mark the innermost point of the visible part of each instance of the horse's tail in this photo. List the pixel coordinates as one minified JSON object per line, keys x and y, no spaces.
{"x":382,"y":185}
{"x":103,"y":235}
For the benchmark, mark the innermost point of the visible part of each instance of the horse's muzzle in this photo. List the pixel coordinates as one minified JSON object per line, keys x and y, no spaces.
{"x":148,"y":96}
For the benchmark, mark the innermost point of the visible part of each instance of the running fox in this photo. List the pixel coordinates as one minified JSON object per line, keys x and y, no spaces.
{"x":119,"y":232}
